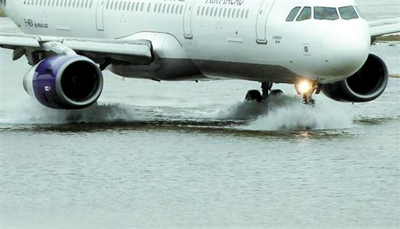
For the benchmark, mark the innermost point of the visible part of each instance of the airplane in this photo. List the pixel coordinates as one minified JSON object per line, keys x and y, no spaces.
{"x":317,"y":45}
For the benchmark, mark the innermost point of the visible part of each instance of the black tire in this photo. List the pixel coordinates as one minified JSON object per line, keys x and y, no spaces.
{"x":254,"y":95}
{"x":276,"y":93}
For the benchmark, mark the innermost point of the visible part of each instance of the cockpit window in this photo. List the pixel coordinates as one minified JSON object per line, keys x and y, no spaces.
{"x":348,"y":12}
{"x":359,"y":12}
{"x":325,"y":13}
{"x":293,"y":14}
{"x":305,"y":14}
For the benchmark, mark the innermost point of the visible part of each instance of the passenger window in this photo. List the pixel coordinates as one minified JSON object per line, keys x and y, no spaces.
{"x":348,"y":13}
{"x":292,"y":15}
{"x":305,"y":14}
{"x":325,"y":13}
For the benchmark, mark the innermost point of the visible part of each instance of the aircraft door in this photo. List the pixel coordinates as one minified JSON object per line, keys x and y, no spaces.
{"x":100,"y":15}
{"x":187,"y":19}
{"x":261,"y":24}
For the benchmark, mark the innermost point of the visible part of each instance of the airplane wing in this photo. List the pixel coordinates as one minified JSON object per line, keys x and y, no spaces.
{"x":383,"y":27}
{"x":135,"y":51}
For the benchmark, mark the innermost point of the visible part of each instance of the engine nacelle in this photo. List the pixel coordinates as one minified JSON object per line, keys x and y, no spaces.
{"x":65,"y":82}
{"x":365,"y":85}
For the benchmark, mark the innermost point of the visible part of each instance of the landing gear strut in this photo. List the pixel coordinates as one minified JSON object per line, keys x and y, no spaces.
{"x":266,"y":89}
{"x":308,"y":100}
{"x":307,"y":89}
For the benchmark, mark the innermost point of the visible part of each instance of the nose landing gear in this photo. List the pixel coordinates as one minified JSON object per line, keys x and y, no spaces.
{"x":266,"y":88}
{"x":308,"y":100}
{"x":307,"y":89}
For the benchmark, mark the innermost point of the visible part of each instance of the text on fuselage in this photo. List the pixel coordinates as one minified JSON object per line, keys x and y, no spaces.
{"x":31,"y":23}
{"x":226,"y":2}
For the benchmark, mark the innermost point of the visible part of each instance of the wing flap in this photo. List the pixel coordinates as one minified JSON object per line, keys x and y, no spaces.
{"x":138,"y":48}
{"x":9,"y":40}
{"x":383,"y":27}
{"x":134,"y":51}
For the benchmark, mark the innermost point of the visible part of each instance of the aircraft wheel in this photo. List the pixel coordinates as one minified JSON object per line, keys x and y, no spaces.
{"x":254,"y":95}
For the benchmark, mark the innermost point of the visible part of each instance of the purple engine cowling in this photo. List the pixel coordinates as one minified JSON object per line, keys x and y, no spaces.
{"x":65,"y":82}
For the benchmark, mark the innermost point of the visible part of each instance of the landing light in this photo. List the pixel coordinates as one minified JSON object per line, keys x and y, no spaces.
{"x":304,"y":87}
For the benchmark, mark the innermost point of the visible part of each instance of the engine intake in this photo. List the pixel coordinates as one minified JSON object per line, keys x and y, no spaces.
{"x":364,"y":86}
{"x":65,"y":82}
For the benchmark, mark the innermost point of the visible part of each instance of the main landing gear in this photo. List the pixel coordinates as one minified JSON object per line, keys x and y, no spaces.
{"x":255,"y":95}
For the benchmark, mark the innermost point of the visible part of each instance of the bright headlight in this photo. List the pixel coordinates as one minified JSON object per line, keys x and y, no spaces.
{"x":304,"y":87}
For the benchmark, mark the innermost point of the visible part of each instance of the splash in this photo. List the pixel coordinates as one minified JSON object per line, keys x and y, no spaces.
{"x":282,"y":113}
{"x":33,"y":113}
{"x":288,"y":113}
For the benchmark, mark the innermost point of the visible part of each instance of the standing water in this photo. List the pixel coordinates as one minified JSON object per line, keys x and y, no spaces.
{"x":187,"y":155}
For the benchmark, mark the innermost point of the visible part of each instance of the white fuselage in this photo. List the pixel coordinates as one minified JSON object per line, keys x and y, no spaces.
{"x":238,"y":39}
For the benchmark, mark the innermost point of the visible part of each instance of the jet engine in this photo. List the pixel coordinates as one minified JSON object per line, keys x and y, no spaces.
{"x":65,"y":82}
{"x":365,"y":85}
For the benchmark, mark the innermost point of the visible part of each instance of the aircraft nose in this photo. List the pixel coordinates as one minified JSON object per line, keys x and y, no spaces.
{"x":346,"y":48}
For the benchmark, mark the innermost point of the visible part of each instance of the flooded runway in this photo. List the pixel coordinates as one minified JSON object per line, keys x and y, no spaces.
{"x":187,"y":155}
